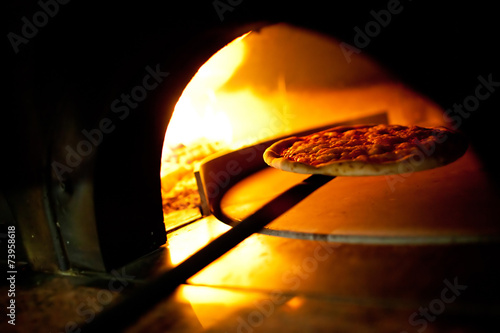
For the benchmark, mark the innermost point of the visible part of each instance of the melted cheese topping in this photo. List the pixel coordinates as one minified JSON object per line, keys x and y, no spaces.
{"x":370,"y":144}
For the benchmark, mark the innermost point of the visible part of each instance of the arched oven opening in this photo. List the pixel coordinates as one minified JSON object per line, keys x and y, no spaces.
{"x":261,"y":87}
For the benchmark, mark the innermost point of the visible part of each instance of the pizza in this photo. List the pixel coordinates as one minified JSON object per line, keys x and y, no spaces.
{"x":367,"y":150}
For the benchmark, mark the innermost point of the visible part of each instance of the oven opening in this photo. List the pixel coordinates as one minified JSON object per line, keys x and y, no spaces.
{"x":270,"y":83}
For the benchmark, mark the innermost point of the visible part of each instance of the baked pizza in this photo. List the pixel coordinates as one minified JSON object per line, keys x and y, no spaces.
{"x":367,"y":150}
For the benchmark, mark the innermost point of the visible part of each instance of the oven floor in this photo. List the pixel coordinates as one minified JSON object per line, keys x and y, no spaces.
{"x":269,"y":283}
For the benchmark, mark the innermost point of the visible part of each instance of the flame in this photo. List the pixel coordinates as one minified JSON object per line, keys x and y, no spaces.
{"x":197,"y":116}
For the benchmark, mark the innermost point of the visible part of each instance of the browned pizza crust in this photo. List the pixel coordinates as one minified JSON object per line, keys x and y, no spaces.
{"x":434,"y":155}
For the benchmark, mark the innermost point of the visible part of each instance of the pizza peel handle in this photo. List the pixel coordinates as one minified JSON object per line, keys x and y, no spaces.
{"x":126,"y":312}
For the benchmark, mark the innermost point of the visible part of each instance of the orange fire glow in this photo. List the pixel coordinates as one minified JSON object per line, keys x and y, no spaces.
{"x":202,"y":124}
{"x":210,"y":118}
{"x":267,"y":84}
{"x":198,"y":114}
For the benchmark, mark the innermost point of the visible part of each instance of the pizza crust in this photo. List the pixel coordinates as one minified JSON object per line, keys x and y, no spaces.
{"x":452,"y":148}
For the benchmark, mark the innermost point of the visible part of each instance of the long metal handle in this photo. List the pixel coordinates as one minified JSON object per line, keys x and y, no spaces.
{"x":127,"y":311}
